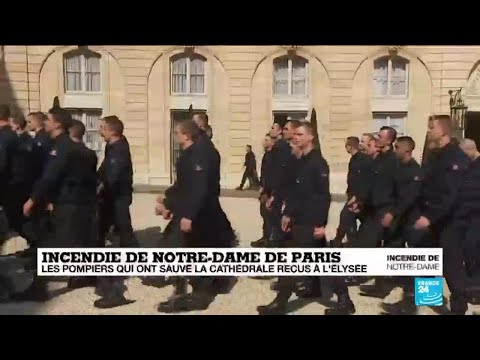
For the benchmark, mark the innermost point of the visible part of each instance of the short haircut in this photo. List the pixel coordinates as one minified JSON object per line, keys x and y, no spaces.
{"x":294,"y":123}
{"x":190,"y":128}
{"x":5,"y":112}
{"x":114,"y":124}
{"x":445,"y":122}
{"x":308,"y":127}
{"x":203,"y":117}
{"x":455,"y":141}
{"x":39,"y":116}
{"x":468,"y":144}
{"x":369,"y":136}
{"x":77,"y":129}
{"x":20,"y":121}
{"x":392,"y":133}
{"x":407,"y":140}
{"x":353,"y":141}
{"x":249,"y":146}
{"x":61,"y":116}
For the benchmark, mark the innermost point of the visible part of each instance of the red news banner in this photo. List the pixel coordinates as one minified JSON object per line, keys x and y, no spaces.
{"x":240,"y":262}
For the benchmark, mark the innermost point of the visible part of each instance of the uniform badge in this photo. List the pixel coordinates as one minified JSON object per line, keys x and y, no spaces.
{"x":198,"y":168}
{"x":39,"y":143}
{"x":416,"y":178}
{"x":324,"y":174}
{"x":112,"y":161}
{"x":455,"y":167}
{"x":53,"y":152}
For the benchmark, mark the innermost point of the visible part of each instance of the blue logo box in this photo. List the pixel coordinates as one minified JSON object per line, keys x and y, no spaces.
{"x":428,"y":291}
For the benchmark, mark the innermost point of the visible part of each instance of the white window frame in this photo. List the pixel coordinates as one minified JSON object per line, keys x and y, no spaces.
{"x":83,"y":73}
{"x":189,"y":61}
{"x":290,"y":78}
{"x":388,"y":118}
{"x":389,"y":74}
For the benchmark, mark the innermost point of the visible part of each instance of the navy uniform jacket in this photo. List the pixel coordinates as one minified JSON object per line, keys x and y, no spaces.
{"x":192,"y":190}
{"x":442,"y":180}
{"x":468,"y":200}
{"x":386,"y":167}
{"x":42,"y":146}
{"x":408,"y":185}
{"x":266,"y":171}
{"x":8,"y":149}
{"x":359,"y":177}
{"x":205,"y":149}
{"x":309,"y":199}
{"x":116,"y":171}
{"x":68,"y":177}
{"x":24,"y":161}
{"x":281,"y":156}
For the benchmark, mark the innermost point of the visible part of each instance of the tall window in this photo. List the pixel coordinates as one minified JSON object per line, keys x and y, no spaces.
{"x":91,"y":120}
{"x":82,"y":71}
{"x":188,"y":74}
{"x":390,"y":76}
{"x":395,"y":120}
{"x":290,"y":75}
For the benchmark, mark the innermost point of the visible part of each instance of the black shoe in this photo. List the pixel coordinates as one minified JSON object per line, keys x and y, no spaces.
{"x":274,"y":286}
{"x":259,"y":243}
{"x":375,"y":291}
{"x":473,"y":296}
{"x":158,"y":282}
{"x":458,"y":305}
{"x":276,"y":307}
{"x":37,"y":292}
{"x":239,"y":188}
{"x":190,"y":302}
{"x":344,"y":307}
{"x":81,"y":282}
{"x":309,"y":289}
{"x":109,"y":302}
{"x":405,"y":306}
{"x":180,"y":288}
{"x":224,"y":285}
{"x":104,"y":287}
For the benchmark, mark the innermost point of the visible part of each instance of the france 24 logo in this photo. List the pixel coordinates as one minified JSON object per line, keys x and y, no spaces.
{"x":428,"y":291}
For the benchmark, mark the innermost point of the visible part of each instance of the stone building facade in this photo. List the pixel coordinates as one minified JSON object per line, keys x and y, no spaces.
{"x":353,"y":89}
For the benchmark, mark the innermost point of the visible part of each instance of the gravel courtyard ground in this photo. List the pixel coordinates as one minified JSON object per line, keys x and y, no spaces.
{"x":244,"y":298}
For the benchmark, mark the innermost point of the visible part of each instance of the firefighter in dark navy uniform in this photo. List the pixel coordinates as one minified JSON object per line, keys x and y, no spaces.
{"x":265,"y":173}
{"x":22,"y":179}
{"x":115,"y":177}
{"x":8,"y":149}
{"x":437,"y":212}
{"x":68,"y":183}
{"x":305,"y":214}
{"x":357,"y":191}
{"x":36,"y":227}
{"x":202,"y":220}
{"x":374,"y":229}
{"x":408,"y":187}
